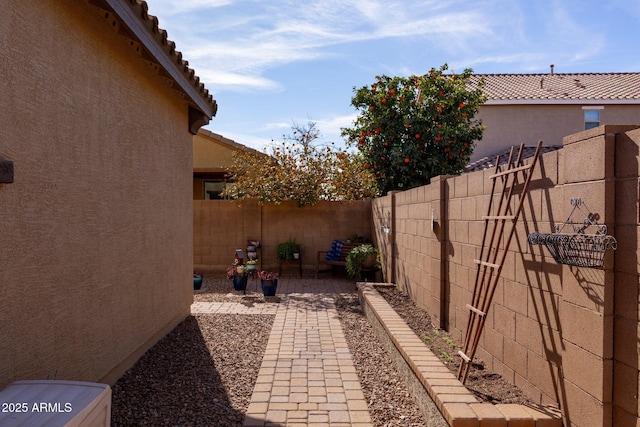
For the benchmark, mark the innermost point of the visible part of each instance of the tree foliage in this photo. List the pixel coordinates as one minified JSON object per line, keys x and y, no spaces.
{"x":300,"y":169}
{"x":410,"y":129}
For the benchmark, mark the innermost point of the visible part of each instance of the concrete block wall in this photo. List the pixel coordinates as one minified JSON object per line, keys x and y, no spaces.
{"x":408,"y":233}
{"x":625,"y":293}
{"x":222,"y":226}
{"x":565,"y":335}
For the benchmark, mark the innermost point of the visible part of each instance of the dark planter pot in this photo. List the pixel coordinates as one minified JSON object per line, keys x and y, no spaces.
{"x":240,"y":283}
{"x":197,"y":283}
{"x":269,"y":287}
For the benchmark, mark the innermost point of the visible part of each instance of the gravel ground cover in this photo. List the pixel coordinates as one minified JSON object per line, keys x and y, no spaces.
{"x":487,"y":386}
{"x":388,"y":399}
{"x":203,"y":373}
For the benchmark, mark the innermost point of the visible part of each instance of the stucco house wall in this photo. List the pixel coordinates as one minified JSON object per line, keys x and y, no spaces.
{"x":514,"y":124}
{"x":96,"y":231}
{"x":527,"y":108}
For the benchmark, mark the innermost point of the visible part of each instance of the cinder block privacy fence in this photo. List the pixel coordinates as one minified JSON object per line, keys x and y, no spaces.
{"x":566,"y":335}
{"x":222,"y":226}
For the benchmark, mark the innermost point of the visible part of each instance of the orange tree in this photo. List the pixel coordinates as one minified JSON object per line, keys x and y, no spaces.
{"x":410,"y":129}
{"x":299,"y":169}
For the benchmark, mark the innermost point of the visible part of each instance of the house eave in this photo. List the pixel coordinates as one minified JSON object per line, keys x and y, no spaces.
{"x":143,"y":29}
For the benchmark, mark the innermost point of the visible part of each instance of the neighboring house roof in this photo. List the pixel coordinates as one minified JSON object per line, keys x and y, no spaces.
{"x":130,"y":19}
{"x":553,"y":88}
{"x":490,"y":161}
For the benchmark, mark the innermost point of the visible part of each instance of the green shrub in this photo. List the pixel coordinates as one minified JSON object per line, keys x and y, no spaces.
{"x":356,"y":258}
{"x":287,"y":249}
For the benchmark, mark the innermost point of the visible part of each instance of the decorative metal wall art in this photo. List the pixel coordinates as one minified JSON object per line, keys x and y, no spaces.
{"x":577,"y":248}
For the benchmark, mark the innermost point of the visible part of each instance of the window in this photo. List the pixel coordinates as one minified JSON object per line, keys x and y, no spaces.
{"x":591,"y":117}
{"x":212,"y":190}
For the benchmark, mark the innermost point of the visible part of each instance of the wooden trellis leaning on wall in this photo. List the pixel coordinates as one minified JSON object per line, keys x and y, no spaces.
{"x":492,"y":256}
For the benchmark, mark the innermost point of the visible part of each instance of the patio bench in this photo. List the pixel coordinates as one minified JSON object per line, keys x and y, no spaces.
{"x":336,"y":257}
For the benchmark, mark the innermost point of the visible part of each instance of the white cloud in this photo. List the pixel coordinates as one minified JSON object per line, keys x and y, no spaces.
{"x":333,"y":125}
{"x":252,"y":38}
{"x":222,"y":80}
{"x":174,"y":7}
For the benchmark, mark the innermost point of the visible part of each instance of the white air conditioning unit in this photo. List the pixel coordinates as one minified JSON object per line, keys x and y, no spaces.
{"x":55,"y":403}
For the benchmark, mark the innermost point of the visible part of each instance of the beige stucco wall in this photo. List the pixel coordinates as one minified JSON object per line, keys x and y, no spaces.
{"x":96,"y":230}
{"x":509,"y":125}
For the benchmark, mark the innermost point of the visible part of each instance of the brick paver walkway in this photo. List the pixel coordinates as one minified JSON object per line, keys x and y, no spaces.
{"x":307,"y":376}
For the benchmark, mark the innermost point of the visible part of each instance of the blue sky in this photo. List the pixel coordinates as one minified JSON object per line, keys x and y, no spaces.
{"x":272,"y":63}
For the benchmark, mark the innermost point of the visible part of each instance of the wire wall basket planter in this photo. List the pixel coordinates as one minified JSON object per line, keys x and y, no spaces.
{"x":577,"y":248}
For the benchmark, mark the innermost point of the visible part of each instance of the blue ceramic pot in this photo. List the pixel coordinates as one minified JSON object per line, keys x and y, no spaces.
{"x":269,"y":287}
{"x":240,"y":282}
{"x":197,"y":283}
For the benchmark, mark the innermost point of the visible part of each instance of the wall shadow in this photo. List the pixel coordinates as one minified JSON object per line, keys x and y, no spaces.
{"x":539,"y":278}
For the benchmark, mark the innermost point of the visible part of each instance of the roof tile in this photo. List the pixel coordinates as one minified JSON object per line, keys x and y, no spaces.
{"x":141,"y":9}
{"x":578,"y":86}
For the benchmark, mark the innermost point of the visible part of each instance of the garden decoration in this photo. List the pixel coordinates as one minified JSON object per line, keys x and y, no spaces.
{"x":252,"y":250}
{"x":495,"y":243}
{"x":577,"y":248}
{"x":251,"y":265}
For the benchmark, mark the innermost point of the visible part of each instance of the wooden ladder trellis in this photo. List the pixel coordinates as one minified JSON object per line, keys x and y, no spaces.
{"x":492,"y":255}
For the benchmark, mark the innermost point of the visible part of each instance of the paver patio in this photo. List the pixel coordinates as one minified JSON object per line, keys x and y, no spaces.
{"x":307,"y":376}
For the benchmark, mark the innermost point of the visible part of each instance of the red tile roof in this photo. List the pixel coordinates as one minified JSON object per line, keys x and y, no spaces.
{"x":170,"y":47}
{"x":562,"y":88}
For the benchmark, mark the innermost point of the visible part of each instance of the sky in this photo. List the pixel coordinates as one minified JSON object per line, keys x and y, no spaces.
{"x":272,"y":63}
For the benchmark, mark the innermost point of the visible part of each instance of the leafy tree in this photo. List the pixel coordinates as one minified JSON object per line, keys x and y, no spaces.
{"x":300,"y":169}
{"x":410,"y":129}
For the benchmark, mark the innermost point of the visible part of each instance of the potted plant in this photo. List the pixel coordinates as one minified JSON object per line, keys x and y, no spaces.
{"x":360,"y":257}
{"x":239,"y":274}
{"x":269,"y":282}
{"x":197,"y":280}
{"x":355,"y":238}
{"x":287,"y":249}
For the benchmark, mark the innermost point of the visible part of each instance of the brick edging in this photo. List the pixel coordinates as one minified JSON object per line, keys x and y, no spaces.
{"x":458,"y":406}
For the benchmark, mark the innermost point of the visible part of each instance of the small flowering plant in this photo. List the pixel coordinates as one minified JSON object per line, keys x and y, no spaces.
{"x":268,"y":275}
{"x":236,"y":270}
